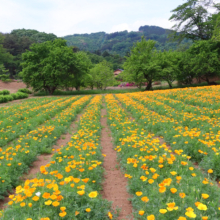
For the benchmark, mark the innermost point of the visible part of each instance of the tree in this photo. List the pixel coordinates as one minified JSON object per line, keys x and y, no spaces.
{"x":79,"y":77}
{"x":4,"y":57}
{"x":193,"y":21}
{"x":100,"y":76}
{"x":205,"y":61}
{"x":51,"y":65}
{"x":216,"y":32}
{"x":185,"y":75}
{"x":143,"y":59}
{"x":169,"y":66}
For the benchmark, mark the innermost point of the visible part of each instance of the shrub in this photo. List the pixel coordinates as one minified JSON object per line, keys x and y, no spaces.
{"x":19,"y":95}
{"x":25,"y":90}
{"x":4,"y":92}
{"x":5,"y":98}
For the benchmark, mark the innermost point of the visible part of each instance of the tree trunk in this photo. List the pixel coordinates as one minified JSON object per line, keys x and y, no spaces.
{"x":170,"y":84}
{"x":149,"y":85}
{"x":77,"y":88}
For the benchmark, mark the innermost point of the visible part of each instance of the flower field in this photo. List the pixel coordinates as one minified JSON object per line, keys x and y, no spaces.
{"x":167,"y":143}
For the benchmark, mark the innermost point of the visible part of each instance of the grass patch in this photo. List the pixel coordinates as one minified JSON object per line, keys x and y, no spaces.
{"x":116,"y":91}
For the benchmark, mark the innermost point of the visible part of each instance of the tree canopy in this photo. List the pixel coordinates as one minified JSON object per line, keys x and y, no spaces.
{"x":143,"y":60}
{"x":193,"y":20}
{"x":51,"y":65}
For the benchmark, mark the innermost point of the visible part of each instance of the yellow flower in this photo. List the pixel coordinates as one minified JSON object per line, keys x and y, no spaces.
{"x":88,"y":210}
{"x":141,"y":212}
{"x":173,"y":173}
{"x":62,"y":214}
{"x":110,"y":215}
{"x":55,"y":204}
{"x":151,"y":217}
{"x":49,"y":202}
{"x":22,"y":204}
{"x":202,"y":207}
{"x":171,"y":206}
{"x":93,"y":194}
{"x":35,"y":198}
{"x":162,"y":211}
{"x":210,"y":171}
{"x":205,"y":196}
{"x":182,"y":195}
{"x":145,"y":199}
{"x":150,"y":181}
{"x":173,"y":190}
{"x":81,"y":192}
{"x":139,"y":193}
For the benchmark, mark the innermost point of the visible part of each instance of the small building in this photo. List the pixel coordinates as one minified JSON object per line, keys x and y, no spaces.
{"x":117,"y":72}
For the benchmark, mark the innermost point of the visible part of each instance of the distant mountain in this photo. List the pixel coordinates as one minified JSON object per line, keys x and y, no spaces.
{"x":120,"y":42}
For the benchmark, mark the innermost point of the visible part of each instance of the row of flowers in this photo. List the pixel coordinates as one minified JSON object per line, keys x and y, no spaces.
{"x":194,"y":141}
{"x":18,"y":156}
{"x":23,"y":122}
{"x":69,"y":186}
{"x":6,"y":112}
{"x":164,"y":184}
{"x":198,"y":96}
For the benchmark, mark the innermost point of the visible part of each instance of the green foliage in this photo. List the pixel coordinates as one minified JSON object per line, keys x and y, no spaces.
{"x":17,"y":42}
{"x":100,"y":76}
{"x":6,"y":98}
{"x":205,"y":61}
{"x":121,"y":42}
{"x":4,"y":92}
{"x":34,"y":35}
{"x":25,"y":90}
{"x":193,"y":21}
{"x":19,"y":95}
{"x":216,"y":32}
{"x":143,"y":62}
{"x":51,"y":65}
{"x":169,"y":66}
{"x":4,"y":57}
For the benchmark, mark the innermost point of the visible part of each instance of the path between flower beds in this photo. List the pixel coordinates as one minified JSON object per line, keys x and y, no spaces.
{"x":115,"y":184}
{"x":44,"y":159}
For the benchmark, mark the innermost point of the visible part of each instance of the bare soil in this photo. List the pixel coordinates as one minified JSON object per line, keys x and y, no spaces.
{"x":12,"y":86}
{"x":115,"y":184}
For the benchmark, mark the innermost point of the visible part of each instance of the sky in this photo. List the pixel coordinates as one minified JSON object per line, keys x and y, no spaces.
{"x":67,"y":17}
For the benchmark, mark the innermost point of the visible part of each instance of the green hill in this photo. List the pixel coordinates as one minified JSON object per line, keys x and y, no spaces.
{"x":121,"y":42}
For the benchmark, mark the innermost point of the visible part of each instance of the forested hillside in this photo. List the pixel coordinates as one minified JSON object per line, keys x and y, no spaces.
{"x":121,"y":42}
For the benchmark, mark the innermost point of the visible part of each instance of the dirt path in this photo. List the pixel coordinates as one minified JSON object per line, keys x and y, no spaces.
{"x":114,"y":186}
{"x":44,"y":159}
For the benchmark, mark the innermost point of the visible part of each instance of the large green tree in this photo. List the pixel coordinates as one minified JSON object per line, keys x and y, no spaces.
{"x":144,"y":60}
{"x":193,"y":20}
{"x":169,"y":66}
{"x":204,"y":60}
{"x":51,"y":65}
{"x":100,"y":76}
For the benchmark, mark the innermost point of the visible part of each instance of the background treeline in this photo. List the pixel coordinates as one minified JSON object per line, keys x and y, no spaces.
{"x":200,"y":61}
{"x":122,"y":42}
{"x":14,"y":44}
{"x":44,"y":61}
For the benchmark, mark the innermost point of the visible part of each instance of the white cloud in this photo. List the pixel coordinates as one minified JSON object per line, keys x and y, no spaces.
{"x":120,"y":27}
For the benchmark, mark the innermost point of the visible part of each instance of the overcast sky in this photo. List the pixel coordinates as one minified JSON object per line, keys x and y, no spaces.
{"x":66,"y":17}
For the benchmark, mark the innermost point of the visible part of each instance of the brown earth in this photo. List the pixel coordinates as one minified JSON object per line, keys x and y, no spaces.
{"x":12,"y":86}
{"x":115,"y":184}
